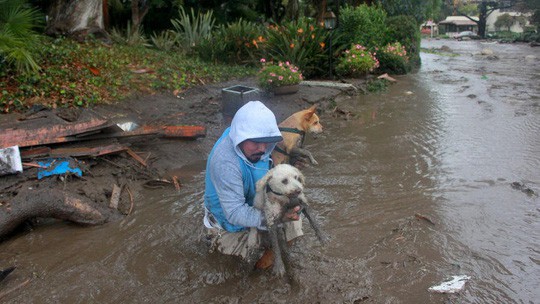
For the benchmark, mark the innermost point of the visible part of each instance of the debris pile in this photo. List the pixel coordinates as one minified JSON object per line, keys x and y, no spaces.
{"x":42,"y":152}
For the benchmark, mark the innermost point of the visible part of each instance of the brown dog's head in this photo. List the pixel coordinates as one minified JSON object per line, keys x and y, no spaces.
{"x":310,"y":121}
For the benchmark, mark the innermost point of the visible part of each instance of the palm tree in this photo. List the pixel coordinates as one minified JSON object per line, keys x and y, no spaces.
{"x":18,"y":40}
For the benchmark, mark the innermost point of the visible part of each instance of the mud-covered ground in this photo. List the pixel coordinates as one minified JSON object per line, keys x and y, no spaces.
{"x":198,"y":106}
{"x":435,"y":177}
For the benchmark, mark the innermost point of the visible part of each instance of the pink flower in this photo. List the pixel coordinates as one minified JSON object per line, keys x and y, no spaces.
{"x":280,"y":77}
{"x":263,"y":60}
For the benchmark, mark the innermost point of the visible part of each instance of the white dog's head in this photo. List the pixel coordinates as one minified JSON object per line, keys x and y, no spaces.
{"x":283,"y":179}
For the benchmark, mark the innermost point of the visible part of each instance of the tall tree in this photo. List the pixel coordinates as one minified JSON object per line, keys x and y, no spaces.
{"x":485,"y":8}
{"x":504,"y":20}
{"x":76,"y":18}
{"x":139,"y":9}
{"x":421,"y":10}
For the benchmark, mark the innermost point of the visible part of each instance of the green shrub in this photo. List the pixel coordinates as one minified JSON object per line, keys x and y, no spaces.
{"x":192,"y":29}
{"x":356,"y":61}
{"x":393,"y":59}
{"x":406,"y":31}
{"x":301,"y":42}
{"x":18,"y":41}
{"x":377,"y":85}
{"x":277,"y":75}
{"x":365,"y":25}
{"x":240,"y":42}
{"x":530,"y":36}
{"x":165,"y":40}
{"x":82,"y":74}
{"x":129,"y":36}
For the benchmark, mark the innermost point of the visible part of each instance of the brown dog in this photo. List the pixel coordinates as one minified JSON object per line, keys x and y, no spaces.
{"x":293,"y":129}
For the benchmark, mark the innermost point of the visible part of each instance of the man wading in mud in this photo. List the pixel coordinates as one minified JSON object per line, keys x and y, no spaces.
{"x":240,"y":157}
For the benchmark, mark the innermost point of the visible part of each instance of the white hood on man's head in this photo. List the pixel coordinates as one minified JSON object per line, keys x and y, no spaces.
{"x":254,"y":120}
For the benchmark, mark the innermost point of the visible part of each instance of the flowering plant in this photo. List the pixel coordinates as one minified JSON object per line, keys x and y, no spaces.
{"x":281,"y":74}
{"x":396,"y":49}
{"x":393,"y":59}
{"x":357,"y":61}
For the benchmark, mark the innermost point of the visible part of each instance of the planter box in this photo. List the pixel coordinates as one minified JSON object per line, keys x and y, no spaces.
{"x":233,"y":98}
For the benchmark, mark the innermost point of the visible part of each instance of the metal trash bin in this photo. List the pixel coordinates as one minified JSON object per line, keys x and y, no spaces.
{"x":233,"y":98}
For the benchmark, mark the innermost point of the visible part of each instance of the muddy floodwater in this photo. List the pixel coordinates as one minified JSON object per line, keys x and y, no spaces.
{"x":438,"y":176}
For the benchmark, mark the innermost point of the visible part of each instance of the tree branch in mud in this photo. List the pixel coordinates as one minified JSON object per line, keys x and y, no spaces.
{"x":51,"y":203}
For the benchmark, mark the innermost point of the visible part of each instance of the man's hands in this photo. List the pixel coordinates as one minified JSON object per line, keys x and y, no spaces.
{"x":292,"y":214}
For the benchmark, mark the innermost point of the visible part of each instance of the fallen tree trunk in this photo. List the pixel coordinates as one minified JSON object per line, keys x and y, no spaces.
{"x":51,"y":203}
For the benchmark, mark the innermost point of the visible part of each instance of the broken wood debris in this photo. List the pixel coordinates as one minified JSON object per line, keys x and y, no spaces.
{"x":92,"y":130}
{"x":5,"y":293}
{"x":136,"y":157}
{"x":115,"y":196}
{"x":176,"y":183}
{"x":5,"y":272}
{"x":425,"y":218}
{"x":131,"y":202}
{"x":387,"y":77}
{"x":31,"y":141}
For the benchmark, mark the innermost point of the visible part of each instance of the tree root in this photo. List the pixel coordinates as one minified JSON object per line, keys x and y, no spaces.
{"x":51,"y":203}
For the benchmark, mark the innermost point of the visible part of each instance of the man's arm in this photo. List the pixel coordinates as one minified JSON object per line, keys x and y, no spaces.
{"x":227,"y":179}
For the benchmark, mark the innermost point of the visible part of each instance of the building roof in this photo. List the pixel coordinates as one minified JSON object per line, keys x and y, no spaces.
{"x":458,"y":20}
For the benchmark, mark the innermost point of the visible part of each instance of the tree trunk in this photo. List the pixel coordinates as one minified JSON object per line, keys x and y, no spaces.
{"x":76,"y":18}
{"x":47,"y":203}
{"x":139,"y":9}
{"x":293,"y":8}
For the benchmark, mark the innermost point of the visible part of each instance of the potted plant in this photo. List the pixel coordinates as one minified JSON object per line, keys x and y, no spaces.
{"x":280,"y":78}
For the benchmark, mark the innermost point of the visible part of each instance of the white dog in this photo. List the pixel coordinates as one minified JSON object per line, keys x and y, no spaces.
{"x":281,"y":189}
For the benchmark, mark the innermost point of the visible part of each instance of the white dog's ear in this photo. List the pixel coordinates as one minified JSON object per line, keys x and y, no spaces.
{"x":261,"y":184}
{"x":300,"y":176}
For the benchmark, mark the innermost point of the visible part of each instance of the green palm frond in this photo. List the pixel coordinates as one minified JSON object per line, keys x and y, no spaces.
{"x":17,"y":37}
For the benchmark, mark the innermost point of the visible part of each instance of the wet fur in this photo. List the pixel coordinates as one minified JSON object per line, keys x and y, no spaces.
{"x":305,"y":120}
{"x":289,"y":181}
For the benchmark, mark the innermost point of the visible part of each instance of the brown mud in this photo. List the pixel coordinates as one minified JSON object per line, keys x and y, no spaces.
{"x":197,"y":106}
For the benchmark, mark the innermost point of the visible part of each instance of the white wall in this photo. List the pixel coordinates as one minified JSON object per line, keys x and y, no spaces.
{"x":516,"y":28}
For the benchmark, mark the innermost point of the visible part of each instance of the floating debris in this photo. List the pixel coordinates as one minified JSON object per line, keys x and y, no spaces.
{"x":523,"y":188}
{"x":10,"y":160}
{"x":453,"y":285}
{"x":58,"y":166}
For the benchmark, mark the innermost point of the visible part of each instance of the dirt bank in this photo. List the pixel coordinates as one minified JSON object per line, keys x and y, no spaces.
{"x":164,"y":157}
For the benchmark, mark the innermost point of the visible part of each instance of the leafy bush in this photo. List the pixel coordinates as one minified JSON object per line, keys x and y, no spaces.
{"x":17,"y":38}
{"x":357,"y":61}
{"x":393,"y":59}
{"x":83,"y":74}
{"x":192,"y":29}
{"x":277,"y":75}
{"x":377,"y":85}
{"x":301,"y":42}
{"x":129,"y":36}
{"x":406,"y":31}
{"x":165,"y":40}
{"x":240,"y":42}
{"x":530,"y":36}
{"x":365,"y":25}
